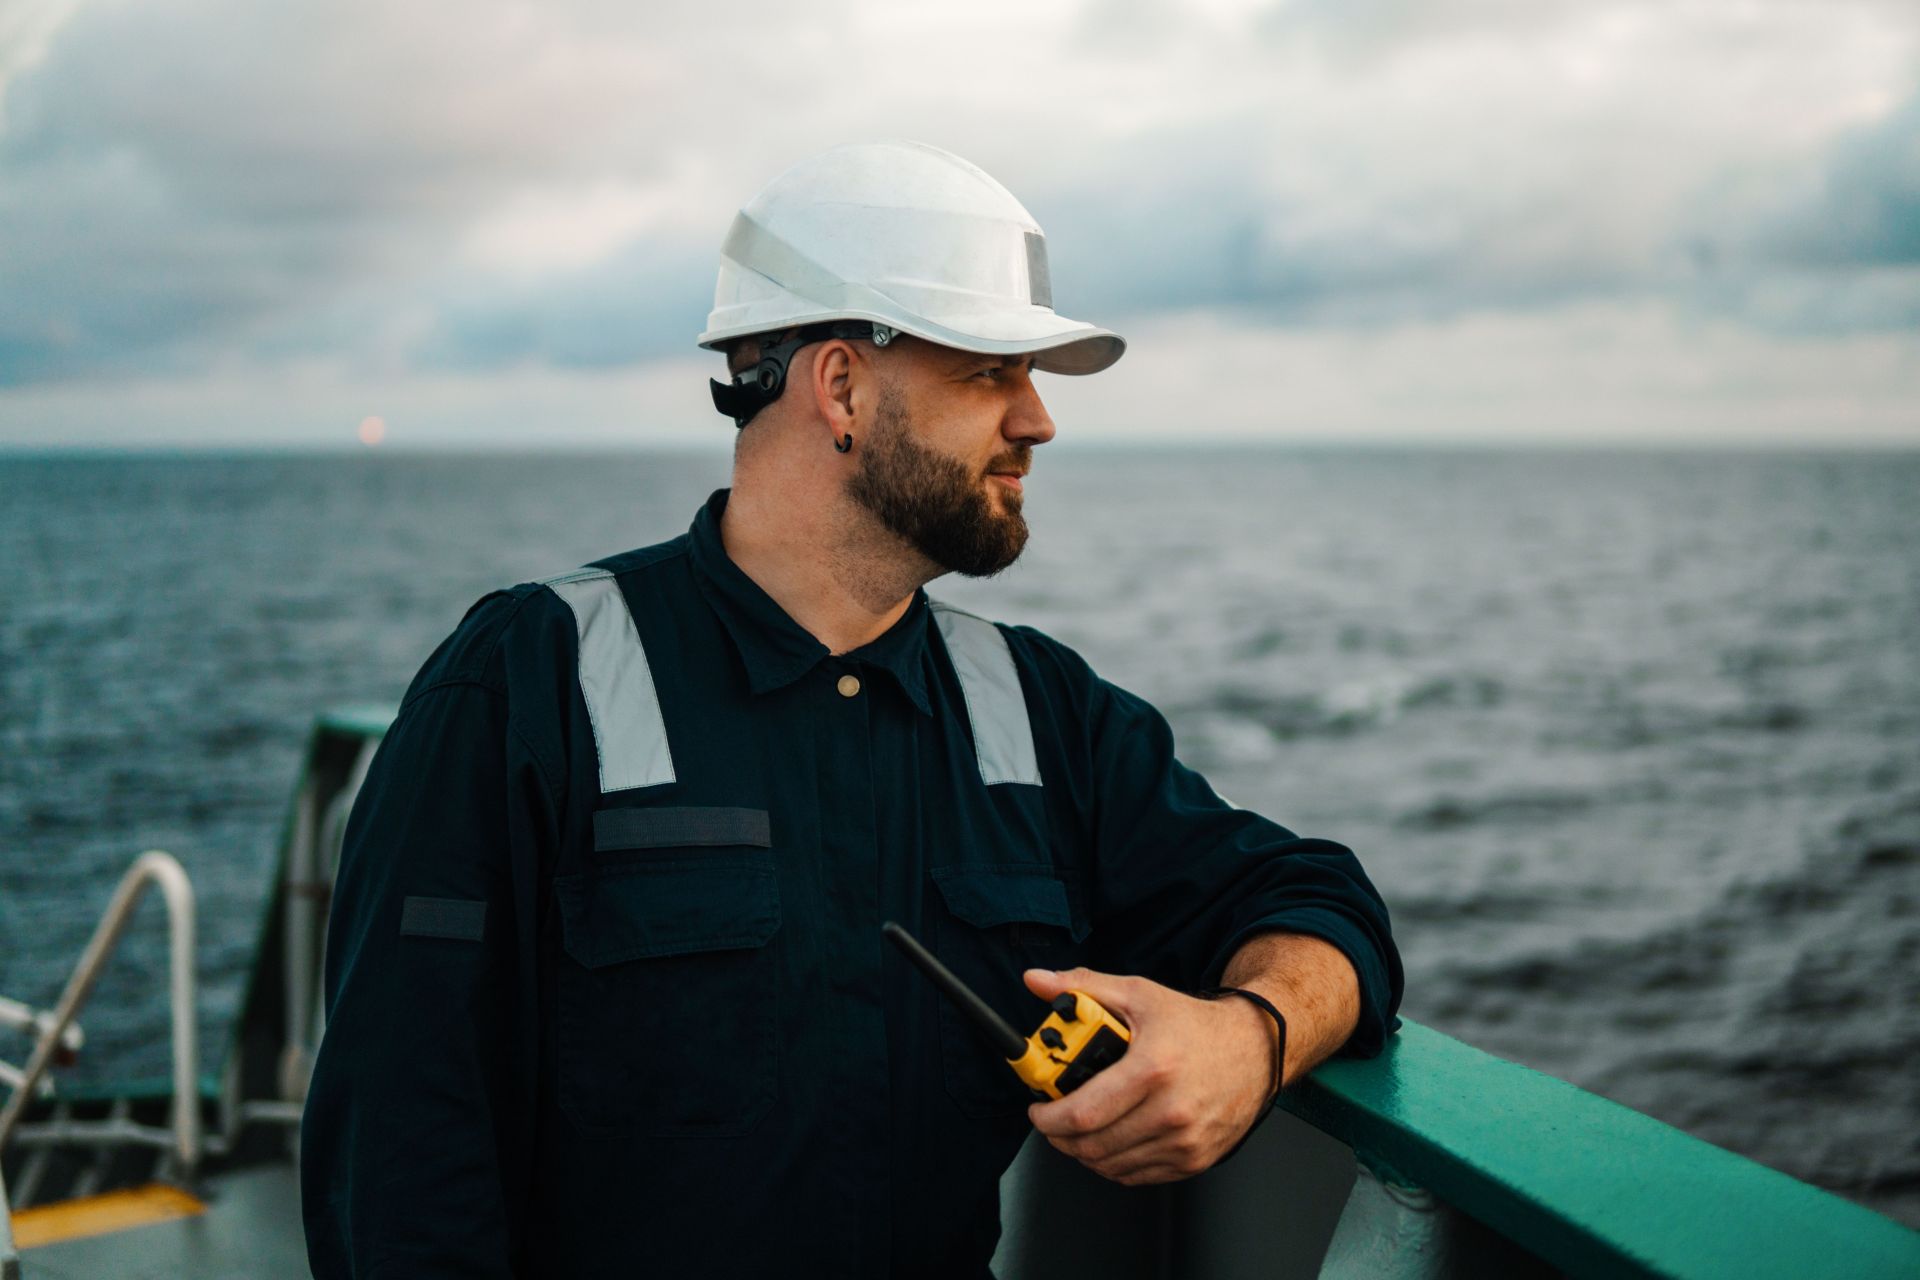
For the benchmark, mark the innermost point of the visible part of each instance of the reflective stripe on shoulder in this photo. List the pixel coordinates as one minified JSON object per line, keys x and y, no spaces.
{"x":622,"y":704}
{"x":1002,"y":730}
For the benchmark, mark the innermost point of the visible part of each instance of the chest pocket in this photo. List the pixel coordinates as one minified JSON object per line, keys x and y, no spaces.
{"x":666,"y":996}
{"x":1000,"y":919}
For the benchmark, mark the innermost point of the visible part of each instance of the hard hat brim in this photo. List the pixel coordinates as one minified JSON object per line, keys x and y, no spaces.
{"x":1057,"y":344}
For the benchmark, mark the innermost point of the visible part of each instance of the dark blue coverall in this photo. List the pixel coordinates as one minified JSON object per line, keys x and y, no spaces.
{"x":583,"y":1028}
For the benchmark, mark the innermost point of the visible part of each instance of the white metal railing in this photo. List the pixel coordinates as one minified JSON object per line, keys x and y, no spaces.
{"x":15,"y":1016}
{"x":313,"y":852}
{"x":9,"y":1257}
{"x":152,"y":867}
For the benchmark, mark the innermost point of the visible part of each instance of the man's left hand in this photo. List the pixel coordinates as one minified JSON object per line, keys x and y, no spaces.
{"x":1193,"y":1080}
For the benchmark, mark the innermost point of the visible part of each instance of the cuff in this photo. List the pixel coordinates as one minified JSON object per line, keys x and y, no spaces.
{"x":1377,"y":998}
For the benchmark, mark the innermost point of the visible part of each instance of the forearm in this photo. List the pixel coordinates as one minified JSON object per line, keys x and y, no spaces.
{"x":1313,"y":985}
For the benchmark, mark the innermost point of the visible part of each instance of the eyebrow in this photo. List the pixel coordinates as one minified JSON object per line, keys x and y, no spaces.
{"x":980,"y":360}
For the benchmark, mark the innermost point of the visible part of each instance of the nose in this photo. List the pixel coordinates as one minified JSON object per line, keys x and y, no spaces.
{"x":1027,"y":419}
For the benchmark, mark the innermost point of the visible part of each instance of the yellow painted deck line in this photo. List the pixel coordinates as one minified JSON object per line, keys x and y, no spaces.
{"x":102,"y":1214}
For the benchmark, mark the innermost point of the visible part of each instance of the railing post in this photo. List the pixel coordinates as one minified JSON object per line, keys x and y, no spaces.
{"x":312,"y":856}
{"x":1392,"y":1231}
{"x":300,"y":889}
{"x":9,"y":1258}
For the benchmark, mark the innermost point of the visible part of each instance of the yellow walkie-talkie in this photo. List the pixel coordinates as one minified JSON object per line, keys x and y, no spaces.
{"x":1078,"y":1039}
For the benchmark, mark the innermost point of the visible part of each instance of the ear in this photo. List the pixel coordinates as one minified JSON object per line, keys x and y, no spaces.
{"x":830,"y":379}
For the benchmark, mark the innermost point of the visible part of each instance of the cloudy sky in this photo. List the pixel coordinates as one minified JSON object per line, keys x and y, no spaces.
{"x":229,"y":222}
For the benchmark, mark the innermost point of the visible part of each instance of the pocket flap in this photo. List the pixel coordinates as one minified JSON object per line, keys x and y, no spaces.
{"x":679,"y":826}
{"x":676,"y":906}
{"x":1006,"y":893}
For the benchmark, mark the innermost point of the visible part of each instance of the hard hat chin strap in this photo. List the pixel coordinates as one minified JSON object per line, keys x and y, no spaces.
{"x":754,"y":389}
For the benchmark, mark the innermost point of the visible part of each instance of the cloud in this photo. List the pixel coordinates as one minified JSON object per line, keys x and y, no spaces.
{"x":214,"y":192}
{"x":1446,"y":158}
{"x":310,"y":403}
{"x":640,"y":303}
{"x":1830,"y":247}
{"x":187,"y":183}
{"x":1866,"y":212}
{"x":26,"y":27}
{"x":1640,"y":372}
{"x":1623,"y":373}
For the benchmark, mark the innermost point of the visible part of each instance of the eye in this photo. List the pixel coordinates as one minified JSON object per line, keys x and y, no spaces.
{"x":991,"y":373}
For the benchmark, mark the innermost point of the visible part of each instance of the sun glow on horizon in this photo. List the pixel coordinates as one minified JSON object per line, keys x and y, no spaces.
{"x":373,"y":430}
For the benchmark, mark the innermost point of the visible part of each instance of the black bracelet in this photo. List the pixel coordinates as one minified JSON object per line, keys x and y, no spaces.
{"x":1279,"y":1022}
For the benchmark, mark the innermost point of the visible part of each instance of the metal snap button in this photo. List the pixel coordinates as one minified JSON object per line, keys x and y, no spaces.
{"x":848,"y":686}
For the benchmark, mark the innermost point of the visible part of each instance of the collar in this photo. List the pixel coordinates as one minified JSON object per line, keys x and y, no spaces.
{"x":776,"y":650}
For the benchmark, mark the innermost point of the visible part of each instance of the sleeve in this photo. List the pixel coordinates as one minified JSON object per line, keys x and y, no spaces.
{"x":416,"y":1145}
{"x":1182,"y":878}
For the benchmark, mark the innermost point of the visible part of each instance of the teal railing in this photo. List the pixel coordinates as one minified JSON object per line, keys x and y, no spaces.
{"x":1592,"y":1187}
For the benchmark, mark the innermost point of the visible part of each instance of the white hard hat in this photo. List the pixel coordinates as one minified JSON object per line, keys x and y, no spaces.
{"x":905,"y":236}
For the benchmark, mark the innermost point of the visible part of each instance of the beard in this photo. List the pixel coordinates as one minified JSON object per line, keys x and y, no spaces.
{"x":936,"y":503}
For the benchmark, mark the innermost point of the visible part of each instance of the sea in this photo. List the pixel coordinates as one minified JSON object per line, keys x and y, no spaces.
{"x":1629,"y":741}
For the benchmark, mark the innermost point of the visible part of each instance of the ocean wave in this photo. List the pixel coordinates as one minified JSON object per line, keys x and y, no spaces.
{"x":1448,"y":812}
{"x":1338,"y":708}
{"x":1799,"y":989}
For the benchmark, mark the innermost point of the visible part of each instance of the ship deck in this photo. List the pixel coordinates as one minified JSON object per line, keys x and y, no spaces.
{"x":250,"y":1231}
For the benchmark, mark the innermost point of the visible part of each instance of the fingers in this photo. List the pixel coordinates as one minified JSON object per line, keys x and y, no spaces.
{"x":1145,"y":1123}
{"x":1120,"y":1088}
{"x":1165,"y":1156}
{"x":1119,"y":994}
{"x":1147,"y":1177}
{"x":1100,"y":1101}
{"x":1148,"y":1173}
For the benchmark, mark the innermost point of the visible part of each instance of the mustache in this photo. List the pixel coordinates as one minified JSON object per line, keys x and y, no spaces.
{"x":1017,"y":461}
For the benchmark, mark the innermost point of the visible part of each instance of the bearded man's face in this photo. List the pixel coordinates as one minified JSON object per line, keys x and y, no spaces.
{"x":952,"y":514}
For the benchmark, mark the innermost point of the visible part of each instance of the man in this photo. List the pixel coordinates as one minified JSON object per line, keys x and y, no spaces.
{"x":607,"y":989}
